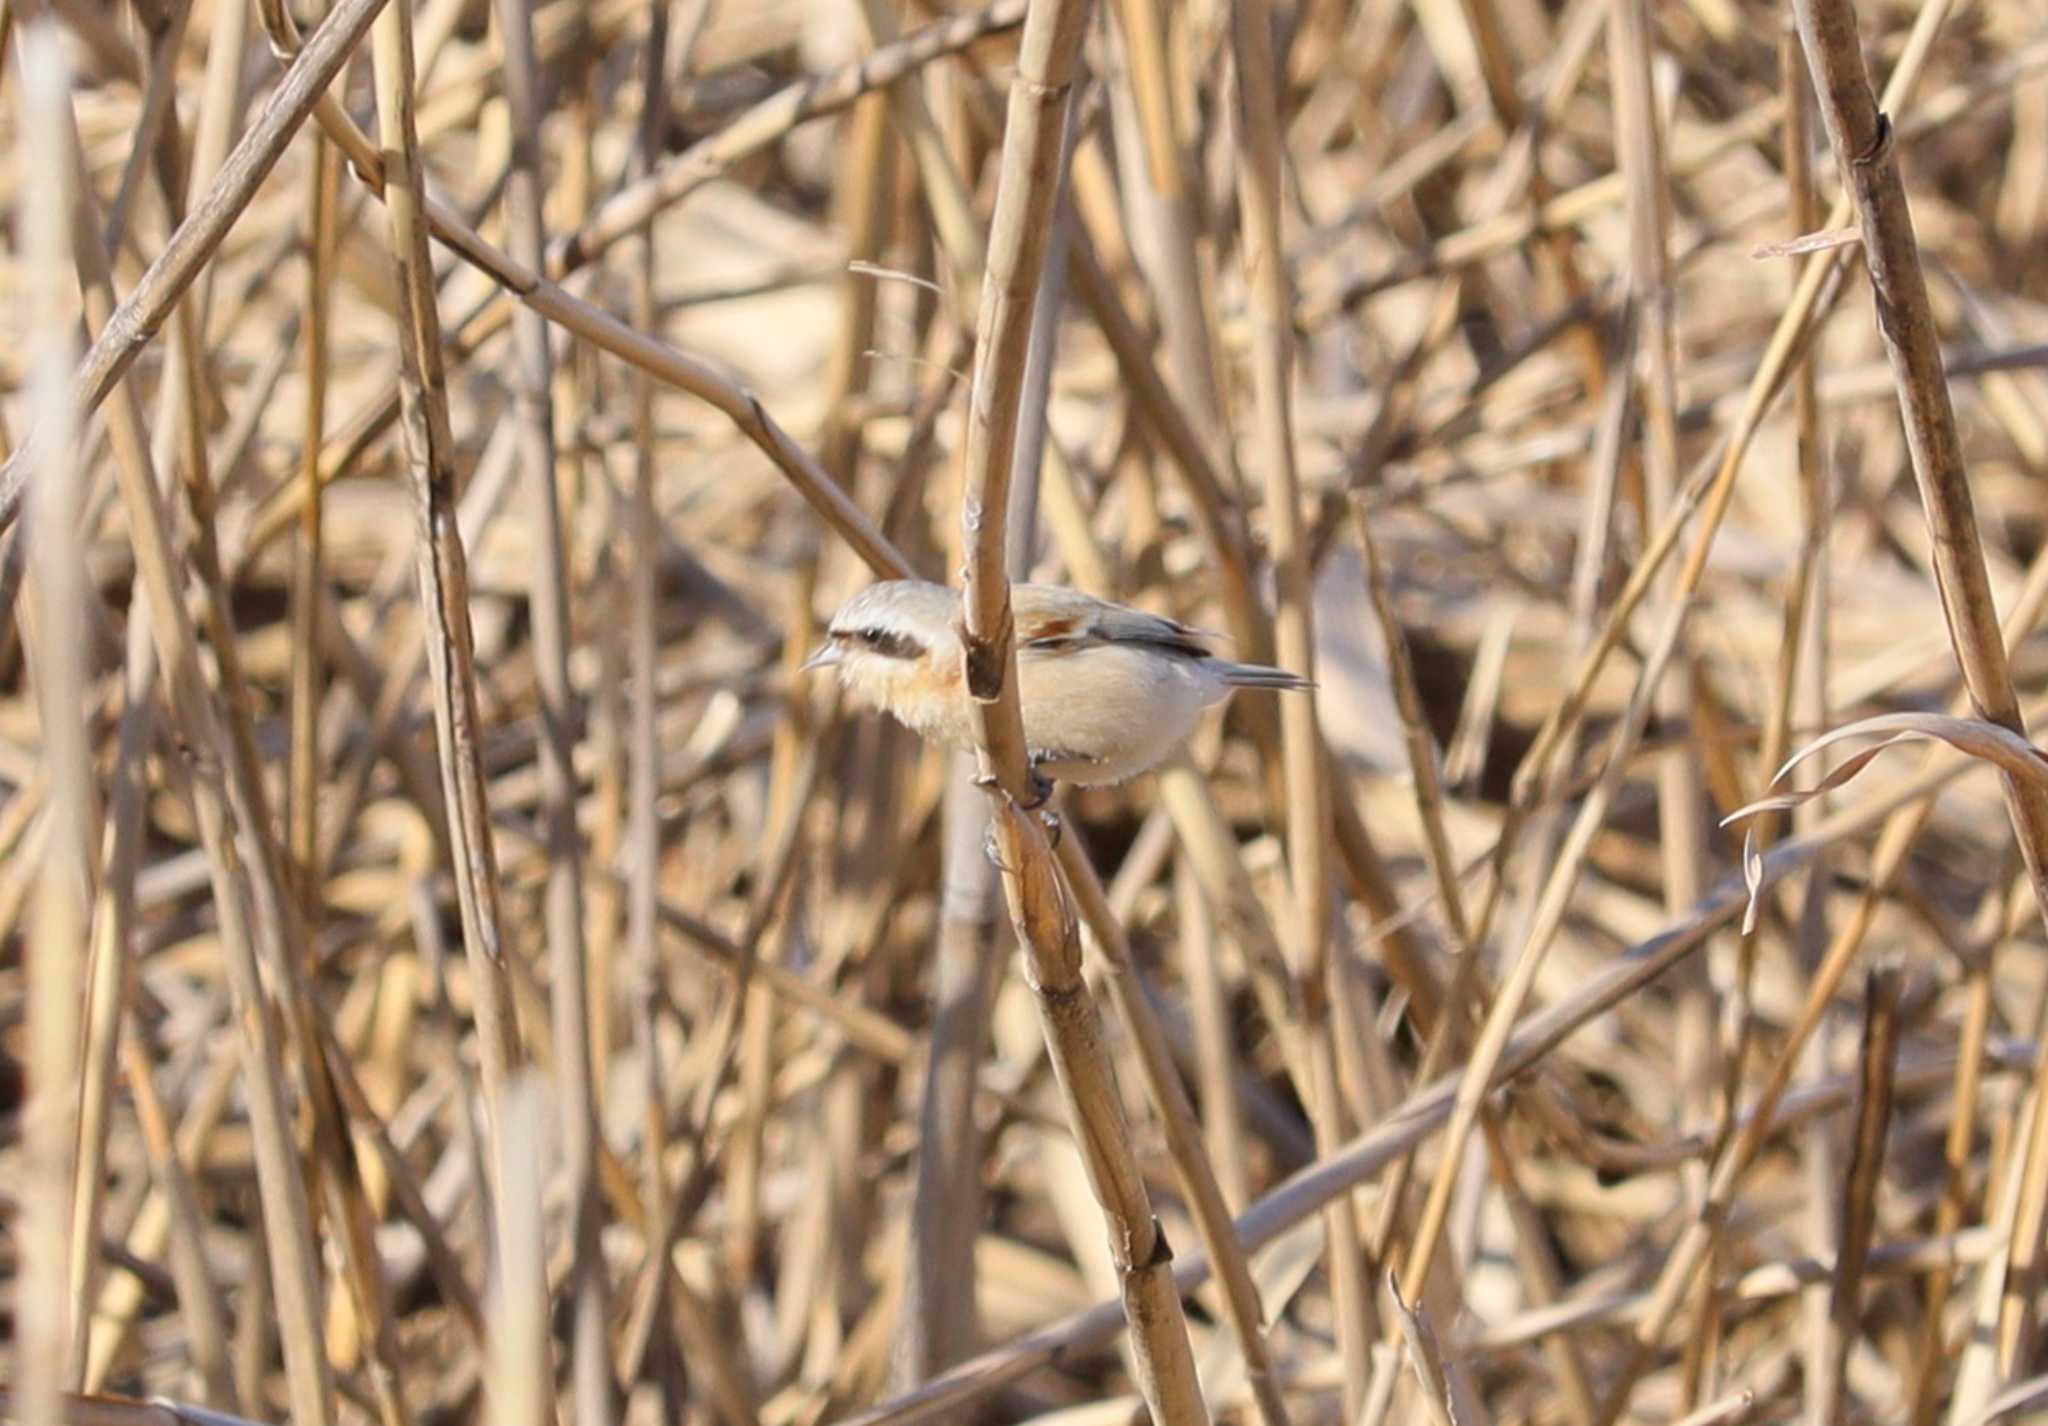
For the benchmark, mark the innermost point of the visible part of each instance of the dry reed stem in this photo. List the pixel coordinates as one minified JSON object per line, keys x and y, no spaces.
{"x":1197,"y":1176}
{"x":302,"y":822}
{"x":1447,"y":1034}
{"x":441,"y":564}
{"x":1456,"y":188}
{"x":1859,"y":1190}
{"x":767,"y":121}
{"x":1859,"y":133}
{"x":1033,"y":166}
{"x":1425,"y":1110}
{"x":1304,"y":756}
{"x":143,"y":311}
{"x":1681,"y":801}
{"x":521,"y":1390}
{"x":1439,"y":1395}
{"x":938,"y":1319}
{"x":939,"y":1323}
{"x":633,"y":742}
{"x":220,"y":780}
{"x":1150,"y":1295}
{"x":569,"y":1000}
{"x":52,"y":1285}
{"x":1169,"y":230}
{"x":198,"y":1295}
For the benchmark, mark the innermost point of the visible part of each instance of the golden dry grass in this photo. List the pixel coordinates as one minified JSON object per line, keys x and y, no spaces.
{"x":452,"y":966}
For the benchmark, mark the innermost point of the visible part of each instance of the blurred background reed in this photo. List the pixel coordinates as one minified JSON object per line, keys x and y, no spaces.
{"x":452,"y":967}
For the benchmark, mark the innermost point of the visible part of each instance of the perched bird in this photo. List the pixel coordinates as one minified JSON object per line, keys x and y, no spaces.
{"x":1106,"y":691}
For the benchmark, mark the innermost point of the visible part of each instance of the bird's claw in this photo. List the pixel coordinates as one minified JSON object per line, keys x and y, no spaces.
{"x":1053,"y":827}
{"x":1047,"y":819}
{"x":1041,"y":789}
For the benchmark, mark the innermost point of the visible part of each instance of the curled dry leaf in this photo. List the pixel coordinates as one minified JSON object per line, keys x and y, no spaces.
{"x":1975,"y":737}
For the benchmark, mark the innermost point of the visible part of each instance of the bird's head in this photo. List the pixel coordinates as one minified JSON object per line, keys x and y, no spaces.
{"x":894,"y":643}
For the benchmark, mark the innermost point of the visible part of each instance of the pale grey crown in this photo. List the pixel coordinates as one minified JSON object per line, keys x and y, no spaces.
{"x":896,"y":618}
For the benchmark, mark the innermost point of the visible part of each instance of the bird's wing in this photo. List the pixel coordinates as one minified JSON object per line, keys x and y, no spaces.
{"x":1055,"y":621}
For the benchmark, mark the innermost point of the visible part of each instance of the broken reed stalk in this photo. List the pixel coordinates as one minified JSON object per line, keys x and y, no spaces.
{"x":1887,"y":859}
{"x":1027,"y":197}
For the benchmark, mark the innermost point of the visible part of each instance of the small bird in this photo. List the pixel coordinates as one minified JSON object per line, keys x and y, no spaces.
{"x":1107,"y":692}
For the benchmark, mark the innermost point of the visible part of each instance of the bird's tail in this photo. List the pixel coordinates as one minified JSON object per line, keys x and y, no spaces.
{"x":1257,"y":675}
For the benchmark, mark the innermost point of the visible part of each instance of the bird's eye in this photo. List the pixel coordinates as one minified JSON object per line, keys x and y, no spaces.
{"x":888,"y":642}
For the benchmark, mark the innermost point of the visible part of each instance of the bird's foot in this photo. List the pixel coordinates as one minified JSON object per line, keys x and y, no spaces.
{"x":1041,"y":788}
{"x":1050,"y":820}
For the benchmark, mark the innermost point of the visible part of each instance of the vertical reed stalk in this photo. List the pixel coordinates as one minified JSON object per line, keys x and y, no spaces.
{"x":44,"y":1320}
{"x":548,"y":598}
{"x":220,"y":780}
{"x":1027,"y":198}
{"x":441,"y":562}
{"x":1307,"y":783}
{"x":640,"y":586}
{"x":302,"y":830}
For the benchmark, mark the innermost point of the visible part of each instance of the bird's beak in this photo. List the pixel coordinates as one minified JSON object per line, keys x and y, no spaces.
{"x":827,"y":655}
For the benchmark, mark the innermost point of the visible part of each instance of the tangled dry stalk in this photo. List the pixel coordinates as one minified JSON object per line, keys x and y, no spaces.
{"x":453,"y":965}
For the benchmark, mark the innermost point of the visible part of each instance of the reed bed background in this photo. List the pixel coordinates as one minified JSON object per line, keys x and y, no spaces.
{"x":453,"y":967}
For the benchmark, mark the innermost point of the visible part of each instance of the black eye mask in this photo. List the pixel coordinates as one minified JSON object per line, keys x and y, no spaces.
{"x":886,"y":642}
